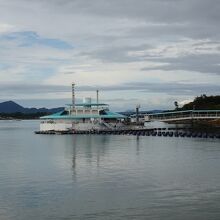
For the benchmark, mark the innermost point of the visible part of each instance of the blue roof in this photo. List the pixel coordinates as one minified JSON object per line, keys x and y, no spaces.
{"x":108,"y":115}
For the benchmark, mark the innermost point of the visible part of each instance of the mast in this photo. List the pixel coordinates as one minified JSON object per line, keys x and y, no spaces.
{"x":137,"y":113}
{"x":97,"y":99}
{"x":73,"y":102}
{"x":73,"y":96}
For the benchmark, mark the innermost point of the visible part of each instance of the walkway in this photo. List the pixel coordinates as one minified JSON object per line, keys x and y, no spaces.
{"x":184,"y":115}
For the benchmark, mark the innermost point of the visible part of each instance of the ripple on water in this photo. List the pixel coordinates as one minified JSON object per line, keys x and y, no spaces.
{"x":106,"y":177}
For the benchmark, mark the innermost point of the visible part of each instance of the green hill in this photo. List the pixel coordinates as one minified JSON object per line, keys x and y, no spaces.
{"x":203,"y":102}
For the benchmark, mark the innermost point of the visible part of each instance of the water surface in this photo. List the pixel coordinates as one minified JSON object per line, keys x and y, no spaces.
{"x":106,"y":177}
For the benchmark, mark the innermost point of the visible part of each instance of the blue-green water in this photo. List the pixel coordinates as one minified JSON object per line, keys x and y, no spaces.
{"x":106,"y":177}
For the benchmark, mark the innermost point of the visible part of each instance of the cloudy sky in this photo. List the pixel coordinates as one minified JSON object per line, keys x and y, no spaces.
{"x":148,"y":52}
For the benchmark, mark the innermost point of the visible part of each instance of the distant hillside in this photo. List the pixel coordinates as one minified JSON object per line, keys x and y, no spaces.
{"x":12,"y":107}
{"x":203,"y":102}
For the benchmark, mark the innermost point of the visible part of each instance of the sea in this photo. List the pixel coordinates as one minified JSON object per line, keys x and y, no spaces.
{"x":53,"y":177}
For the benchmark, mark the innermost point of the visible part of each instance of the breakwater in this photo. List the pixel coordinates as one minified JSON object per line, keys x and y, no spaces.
{"x":159,"y":132}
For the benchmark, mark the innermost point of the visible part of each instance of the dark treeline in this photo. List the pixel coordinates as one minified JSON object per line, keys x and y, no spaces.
{"x":203,"y":102}
{"x":19,"y":115}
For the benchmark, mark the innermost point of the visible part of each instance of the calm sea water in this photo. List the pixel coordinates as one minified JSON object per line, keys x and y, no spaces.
{"x":106,"y":177}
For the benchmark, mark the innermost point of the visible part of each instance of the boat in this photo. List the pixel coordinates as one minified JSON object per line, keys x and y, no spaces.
{"x":85,"y":116}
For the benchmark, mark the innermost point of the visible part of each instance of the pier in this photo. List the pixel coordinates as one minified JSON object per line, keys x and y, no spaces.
{"x":184,"y":115}
{"x":159,"y":132}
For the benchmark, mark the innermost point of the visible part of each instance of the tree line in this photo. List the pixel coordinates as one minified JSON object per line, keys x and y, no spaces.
{"x":19,"y":115}
{"x":202,"y":102}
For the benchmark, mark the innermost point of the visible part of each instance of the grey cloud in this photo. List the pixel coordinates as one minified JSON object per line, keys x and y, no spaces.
{"x":20,"y":88}
{"x":177,"y":88}
{"x":167,"y":31}
{"x":111,"y":30}
{"x":186,"y":18}
{"x":120,"y":100}
{"x":118,"y":54}
{"x":204,"y":63}
{"x":68,"y":72}
{"x":174,"y":88}
{"x":198,"y":16}
{"x":165,"y":10}
{"x":195,"y":60}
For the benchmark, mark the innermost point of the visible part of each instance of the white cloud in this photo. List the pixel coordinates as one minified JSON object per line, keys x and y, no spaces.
{"x":183,"y":102}
{"x":4,"y":28}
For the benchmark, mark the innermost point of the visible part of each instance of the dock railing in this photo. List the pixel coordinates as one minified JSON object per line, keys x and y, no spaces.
{"x":185,"y":115}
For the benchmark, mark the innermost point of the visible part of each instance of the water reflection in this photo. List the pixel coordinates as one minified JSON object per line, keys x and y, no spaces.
{"x":107,"y":177}
{"x":95,"y":148}
{"x":74,"y":156}
{"x":137,"y":145}
{"x":90,"y":148}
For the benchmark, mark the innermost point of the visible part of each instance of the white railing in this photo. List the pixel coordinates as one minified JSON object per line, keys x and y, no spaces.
{"x":186,"y":115}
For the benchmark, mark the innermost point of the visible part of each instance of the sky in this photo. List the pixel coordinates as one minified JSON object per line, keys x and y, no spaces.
{"x":147,"y":52}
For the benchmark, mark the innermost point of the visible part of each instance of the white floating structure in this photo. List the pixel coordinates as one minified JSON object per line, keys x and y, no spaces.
{"x":85,"y":116}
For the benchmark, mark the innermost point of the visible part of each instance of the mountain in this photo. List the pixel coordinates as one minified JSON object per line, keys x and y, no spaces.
{"x":12,"y":107}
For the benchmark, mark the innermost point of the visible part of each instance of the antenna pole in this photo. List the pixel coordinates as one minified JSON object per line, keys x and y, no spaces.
{"x":73,"y":96}
{"x":137,"y":113}
{"x":97,"y":97}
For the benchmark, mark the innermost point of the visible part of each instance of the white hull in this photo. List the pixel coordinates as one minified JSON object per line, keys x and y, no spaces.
{"x":79,"y":126}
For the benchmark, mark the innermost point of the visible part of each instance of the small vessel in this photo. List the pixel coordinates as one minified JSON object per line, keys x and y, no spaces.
{"x":85,"y":116}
